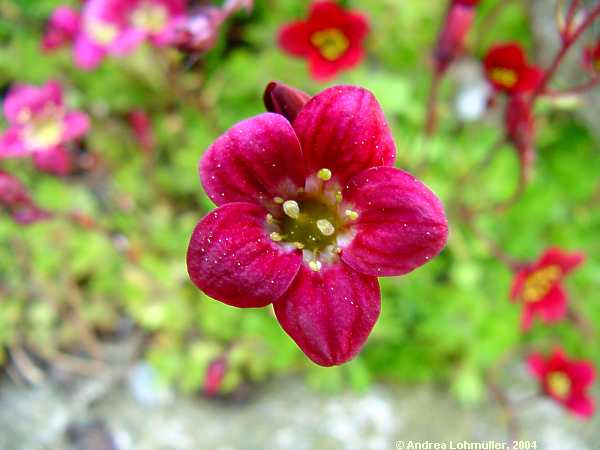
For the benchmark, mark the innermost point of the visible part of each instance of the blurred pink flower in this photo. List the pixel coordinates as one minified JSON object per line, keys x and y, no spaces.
{"x":15,"y":199}
{"x":117,"y":27}
{"x":538,"y":286}
{"x":141,"y":126}
{"x":198,"y":31}
{"x":565,"y":380}
{"x":508,"y":70}
{"x":61,"y":29}
{"x":39,"y":125}
{"x":309,"y":215}
{"x":213,"y":378}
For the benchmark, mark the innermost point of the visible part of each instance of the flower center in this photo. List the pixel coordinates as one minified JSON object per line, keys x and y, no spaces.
{"x":315,"y":221}
{"x":101,"y":32}
{"x":559,"y":384}
{"x":149,"y":17}
{"x":539,"y":283}
{"x":331,"y":43}
{"x":44,"y":130}
{"x":504,"y":77}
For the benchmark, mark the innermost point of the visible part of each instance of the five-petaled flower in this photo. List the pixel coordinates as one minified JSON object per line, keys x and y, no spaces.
{"x":592,"y":57}
{"x":538,"y":286}
{"x":507,"y":69}
{"x":331,"y":39}
{"x":40,"y":126}
{"x":15,"y":199}
{"x":309,"y":214}
{"x":565,"y":380}
{"x":457,"y":24}
{"x":117,"y":27}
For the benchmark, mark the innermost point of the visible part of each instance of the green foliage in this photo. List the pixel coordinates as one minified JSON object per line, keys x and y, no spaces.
{"x":449,"y":321}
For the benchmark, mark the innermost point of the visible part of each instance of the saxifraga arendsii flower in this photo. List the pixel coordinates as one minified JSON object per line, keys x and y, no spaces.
{"x":538,"y":286}
{"x":565,"y":380}
{"x":331,"y":39}
{"x":507,"y":69}
{"x":309,"y":215}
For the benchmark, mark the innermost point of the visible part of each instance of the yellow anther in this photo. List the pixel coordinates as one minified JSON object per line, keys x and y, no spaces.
{"x":278,"y":200}
{"x":325,"y":227}
{"x":560,"y":384}
{"x":338,"y":196}
{"x":299,"y":245}
{"x":315,"y":265}
{"x":324,"y":174}
{"x":291,"y":209}
{"x":270,"y":219}
{"x":275,"y":236}
{"x":350,"y":214}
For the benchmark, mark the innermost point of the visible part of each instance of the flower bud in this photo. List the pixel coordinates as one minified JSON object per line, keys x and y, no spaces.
{"x":285,"y":100}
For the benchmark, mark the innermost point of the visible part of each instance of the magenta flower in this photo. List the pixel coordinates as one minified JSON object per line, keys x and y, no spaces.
{"x":15,"y":199}
{"x":117,"y":27}
{"x":62,"y":28}
{"x":309,"y":215}
{"x":40,"y":125}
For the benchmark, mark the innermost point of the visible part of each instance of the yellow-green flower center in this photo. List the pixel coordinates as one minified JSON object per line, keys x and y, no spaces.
{"x":315,"y":221}
{"x":539,"y":283}
{"x":559,"y":384}
{"x":504,"y":77}
{"x":331,"y":42}
{"x":150,"y":17}
{"x":44,"y":130}
{"x":101,"y":32}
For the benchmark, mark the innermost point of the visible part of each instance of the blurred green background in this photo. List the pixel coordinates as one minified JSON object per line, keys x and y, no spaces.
{"x":64,"y":288}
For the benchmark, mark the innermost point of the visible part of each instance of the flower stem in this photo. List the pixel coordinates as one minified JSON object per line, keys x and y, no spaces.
{"x":431,"y":119}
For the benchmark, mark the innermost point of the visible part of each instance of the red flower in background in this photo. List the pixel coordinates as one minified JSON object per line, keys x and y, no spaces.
{"x":507,"y":69}
{"x":309,"y":215}
{"x":565,"y":380}
{"x":15,"y":199}
{"x":539,"y":286}
{"x":592,"y":57}
{"x":331,"y":39}
{"x":520,"y":129}
{"x":457,"y":24}
{"x":141,"y":125}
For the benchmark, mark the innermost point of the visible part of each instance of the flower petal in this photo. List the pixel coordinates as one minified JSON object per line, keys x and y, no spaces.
{"x":76,"y":125}
{"x":567,"y":261}
{"x":554,"y":306}
{"x":254,"y":161}
{"x":11,"y":144}
{"x":344,"y":129}
{"x":56,"y":161}
{"x":583,"y":372}
{"x":401,"y":223}
{"x":537,"y":365}
{"x":330,"y":313}
{"x":294,"y":38}
{"x":88,"y":54}
{"x":231,"y":258}
{"x":581,"y":405}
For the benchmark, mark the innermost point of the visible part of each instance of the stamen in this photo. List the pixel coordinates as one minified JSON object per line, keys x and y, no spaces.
{"x":325,"y":227}
{"x":339,"y":197}
{"x":350,"y":214}
{"x":324,"y":174}
{"x":275,"y":236}
{"x":299,"y":245}
{"x":270,"y":219}
{"x":291,"y":209}
{"x":278,"y":200}
{"x":315,"y":265}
